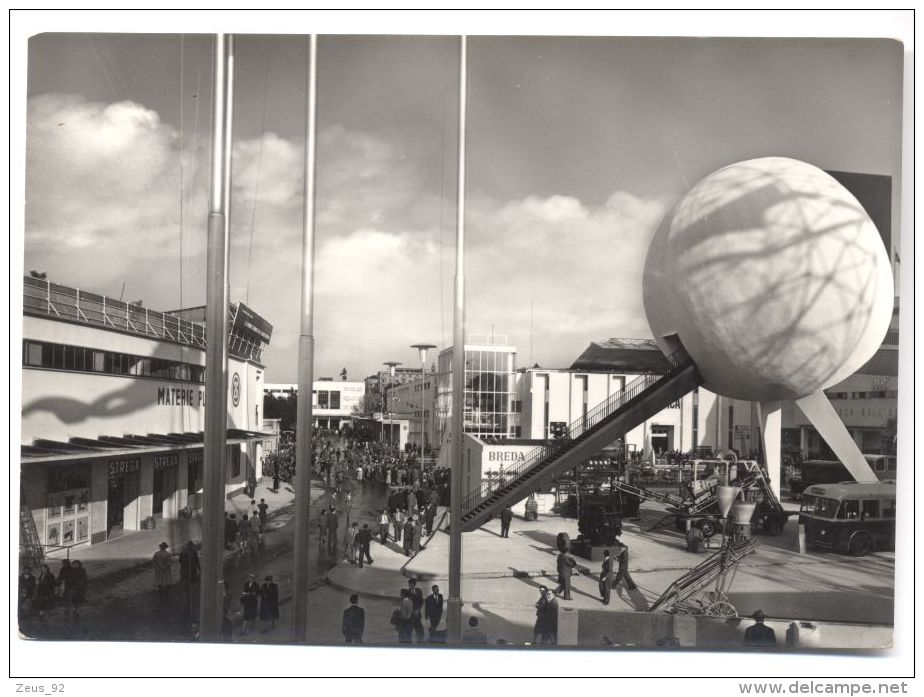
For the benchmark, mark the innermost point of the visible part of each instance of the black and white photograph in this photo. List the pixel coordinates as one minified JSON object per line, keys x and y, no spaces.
{"x":478,"y":345}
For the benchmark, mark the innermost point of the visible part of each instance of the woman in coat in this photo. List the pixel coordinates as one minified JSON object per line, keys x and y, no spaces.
{"x":418,"y":530}
{"x":78,"y":584}
{"x":162,"y":560}
{"x":44,"y":590}
{"x":249,"y":600}
{"x":269,"y":604}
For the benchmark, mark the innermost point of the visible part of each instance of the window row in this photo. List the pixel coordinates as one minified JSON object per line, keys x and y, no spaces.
{"x":41,"y":354}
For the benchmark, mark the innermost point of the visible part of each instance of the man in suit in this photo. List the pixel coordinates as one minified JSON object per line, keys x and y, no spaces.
{"x":354,"y":622}
{"x":622,"y":556}
{"x":606,"y":577}
{"x":418,"y":600}
{"x":433,"y":609}
{"x":364,"y":539}
{"x":565,"y":564}
{"x":759,"y":634}
{"x":505,"y":517}
{"x":429,"y":516}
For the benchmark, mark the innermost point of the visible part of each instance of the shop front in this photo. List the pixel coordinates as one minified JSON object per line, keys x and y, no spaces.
{"x":123,"y":494}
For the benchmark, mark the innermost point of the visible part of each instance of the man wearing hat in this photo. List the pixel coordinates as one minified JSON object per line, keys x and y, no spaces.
{"x":249,"y":598}
{"x":162,"y":561}
{"x":759,"y":634}
{"x":269,"y":604}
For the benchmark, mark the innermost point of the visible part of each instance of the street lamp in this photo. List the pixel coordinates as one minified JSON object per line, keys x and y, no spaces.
{"x":391,"y":371}
{"x":422,"y":350}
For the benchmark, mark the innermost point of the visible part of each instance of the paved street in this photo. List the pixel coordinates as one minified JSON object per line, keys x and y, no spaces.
{"x":125,"y":606}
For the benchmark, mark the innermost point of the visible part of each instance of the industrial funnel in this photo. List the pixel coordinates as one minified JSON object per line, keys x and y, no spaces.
{"x":726,"y":496}
{"x":743,"y":511}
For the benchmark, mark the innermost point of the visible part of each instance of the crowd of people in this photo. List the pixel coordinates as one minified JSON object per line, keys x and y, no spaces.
{"x":39,"y":594}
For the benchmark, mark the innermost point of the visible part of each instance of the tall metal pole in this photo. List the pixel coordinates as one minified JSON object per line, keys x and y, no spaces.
{"x":303,"y":428}
{"x":216,"y":360}
{"x":454,"y":604}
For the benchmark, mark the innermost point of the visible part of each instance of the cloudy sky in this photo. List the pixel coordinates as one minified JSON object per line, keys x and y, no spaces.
{"x":576,"y":148}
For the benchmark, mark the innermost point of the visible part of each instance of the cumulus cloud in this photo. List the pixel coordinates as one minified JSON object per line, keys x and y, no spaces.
{"x":553,"y":272}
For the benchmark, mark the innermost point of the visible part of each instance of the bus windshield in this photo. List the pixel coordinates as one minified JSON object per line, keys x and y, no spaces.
{"x":820,"y":507}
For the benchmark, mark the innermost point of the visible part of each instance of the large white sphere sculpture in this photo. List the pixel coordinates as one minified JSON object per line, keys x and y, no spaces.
{"x":773,"y":278}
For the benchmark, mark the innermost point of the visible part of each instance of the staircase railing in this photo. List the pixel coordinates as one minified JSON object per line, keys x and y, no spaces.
{"x":576,"y":431}
{"x":29,"y":542}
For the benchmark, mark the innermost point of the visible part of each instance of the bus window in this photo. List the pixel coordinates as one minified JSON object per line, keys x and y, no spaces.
{"x":870,"y":509}
{"x":888,"y":508}
{"x":891,"y":461}
{"x":849,"y":510}
{"x":825,"y":508}
{"x":808,"y":504}
{"x":880,"y":466}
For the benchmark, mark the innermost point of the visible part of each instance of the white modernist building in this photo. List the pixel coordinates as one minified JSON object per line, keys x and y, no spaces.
{"x":113,"y":412}
{"x":332,"y":401}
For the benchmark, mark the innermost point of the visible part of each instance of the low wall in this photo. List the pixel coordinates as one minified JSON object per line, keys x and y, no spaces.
{"x":643,"y":629}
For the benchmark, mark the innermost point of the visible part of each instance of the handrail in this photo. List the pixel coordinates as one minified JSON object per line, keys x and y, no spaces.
{"x":42,"y":297}
{"x":576,"y":430}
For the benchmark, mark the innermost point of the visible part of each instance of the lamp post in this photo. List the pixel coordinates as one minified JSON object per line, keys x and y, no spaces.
{"x":391,"y":372}
{"x":422,"y":350}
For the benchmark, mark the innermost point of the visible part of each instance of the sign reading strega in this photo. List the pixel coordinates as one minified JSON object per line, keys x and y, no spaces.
{"x":119,"y":468}
{"x":165,"y":461}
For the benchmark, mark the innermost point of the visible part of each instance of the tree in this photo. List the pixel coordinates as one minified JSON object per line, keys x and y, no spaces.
{"x":369,"y":404}
{"x":283,"y":408}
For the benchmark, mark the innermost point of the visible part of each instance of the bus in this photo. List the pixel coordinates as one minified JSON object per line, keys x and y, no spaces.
{"x":833,"y":471}
{"x":853,"y":518}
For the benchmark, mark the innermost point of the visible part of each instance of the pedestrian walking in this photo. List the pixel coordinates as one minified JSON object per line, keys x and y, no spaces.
{"x":262,"y":510}
{"x":433,"y":609}
{"x":403,"y":618}
{"x":353,"y":623}
{"x":383,"y":526}
{"x":322,"y":528}
{"x":249,"y":600}
{"x":62,"y":585}
{"x":411,"y":503}
{"x":44,"y":590}
{"x":606,"y":577}
{"x":352,"y":544}
{"x":408,"y":536}
{"x":256,"y":536}
{"x":269,"y":604}
{"x":163,"y":561}
{"x":27,"y":586}
{"x":189,"y":564}
{"x":230,"y":529}
{"x":429,"y":516}
{"x":333,"y":521}
{"x":505,"y":517}
{"x":397,"y":517}
{"x":417,"y":600}
{"x":418,"y":535}
{"x":565,"y":564}
{"x":253,"y":511}
{"x":365,"y":540}
{"x":243,"y":530}
{"x":276,"y":476}
{"x":227,"y":627}
{"x":622,"y":556}
{"x":545,"y":630}
{"x":79,"y":584}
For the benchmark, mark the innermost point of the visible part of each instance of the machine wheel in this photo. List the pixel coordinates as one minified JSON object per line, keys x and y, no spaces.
{"x":860,"y":544}
{"x":708,"y":526}
{"x":721,"y":608}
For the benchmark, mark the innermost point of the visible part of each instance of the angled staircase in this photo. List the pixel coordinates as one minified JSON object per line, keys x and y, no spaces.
{"x":617,"y":415}
{"x":30,"y":545}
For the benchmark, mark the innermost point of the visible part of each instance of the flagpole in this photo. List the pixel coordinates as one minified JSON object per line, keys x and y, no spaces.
{"x":216,"y":357}
{"x":454,"y":604}
{"x":303,"y":429}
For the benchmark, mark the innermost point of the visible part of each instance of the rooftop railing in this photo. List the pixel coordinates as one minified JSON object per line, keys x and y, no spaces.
{"x":44,"y":298}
